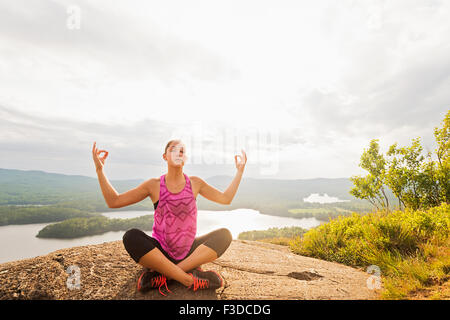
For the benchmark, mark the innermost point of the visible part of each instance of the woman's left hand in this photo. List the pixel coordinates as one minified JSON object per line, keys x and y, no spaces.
{"x":243,"y":160}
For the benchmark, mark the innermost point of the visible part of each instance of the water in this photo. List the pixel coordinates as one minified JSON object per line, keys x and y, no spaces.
{"x":28,"y":205}
{"x":20,"y":242}
{"x":315,"y":197}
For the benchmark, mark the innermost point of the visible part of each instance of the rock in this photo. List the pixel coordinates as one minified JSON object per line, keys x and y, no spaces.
{"x":251,"y":270}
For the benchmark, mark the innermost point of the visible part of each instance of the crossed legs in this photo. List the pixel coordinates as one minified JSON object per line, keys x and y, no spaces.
{"x":146,"y":251}
{"x":157,"y":261}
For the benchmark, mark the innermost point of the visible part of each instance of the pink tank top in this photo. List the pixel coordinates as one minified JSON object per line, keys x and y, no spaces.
{"x":175,"y":219}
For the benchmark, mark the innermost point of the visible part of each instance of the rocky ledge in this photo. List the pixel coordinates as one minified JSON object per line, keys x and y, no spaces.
{"x":251,"y":269}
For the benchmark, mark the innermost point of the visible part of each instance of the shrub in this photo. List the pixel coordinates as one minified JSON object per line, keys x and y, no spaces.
{"x":410,"y":244}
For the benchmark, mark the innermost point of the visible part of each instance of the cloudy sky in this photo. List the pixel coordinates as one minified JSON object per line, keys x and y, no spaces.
{"x":302,"y":86}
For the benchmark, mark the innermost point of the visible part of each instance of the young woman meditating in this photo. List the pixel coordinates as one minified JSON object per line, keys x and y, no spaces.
{"x":173,"y":251}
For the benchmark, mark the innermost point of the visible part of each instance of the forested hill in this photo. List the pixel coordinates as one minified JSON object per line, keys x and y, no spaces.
{"x":39,"y":187}
{"x":28,"y":187}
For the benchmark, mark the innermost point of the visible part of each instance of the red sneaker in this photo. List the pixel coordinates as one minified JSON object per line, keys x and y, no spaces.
{"x":198,"y":268}
{"x":151,"y":280}
{"x":205,"y":280}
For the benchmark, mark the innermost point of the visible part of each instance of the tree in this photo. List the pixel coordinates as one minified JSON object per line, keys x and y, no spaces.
{"x":405,"y":177}
{"x":417,"y":184}
{"x":371,"y":187}
{"x":442,"y":172}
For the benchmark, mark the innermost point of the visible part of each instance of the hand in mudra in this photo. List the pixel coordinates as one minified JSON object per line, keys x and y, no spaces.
{"x":240,"y":165}
{"x":99,"y":161}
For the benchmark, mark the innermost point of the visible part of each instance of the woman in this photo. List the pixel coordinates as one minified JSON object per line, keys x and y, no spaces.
{"x":173,"y":251}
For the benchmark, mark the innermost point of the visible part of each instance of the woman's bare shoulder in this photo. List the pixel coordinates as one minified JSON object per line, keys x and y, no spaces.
{"x":196,"y":183}
{"x":153,"y":187}
{"x":153,"y":182}
{"x":196,"y":179}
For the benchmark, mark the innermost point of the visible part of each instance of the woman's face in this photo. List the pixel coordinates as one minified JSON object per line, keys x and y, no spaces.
{"x":176,"y":154}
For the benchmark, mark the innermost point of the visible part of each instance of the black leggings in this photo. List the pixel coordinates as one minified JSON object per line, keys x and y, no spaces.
{"x":138,"y":243}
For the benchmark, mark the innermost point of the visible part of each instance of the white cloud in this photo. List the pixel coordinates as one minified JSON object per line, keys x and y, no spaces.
{"x":329,"y":76}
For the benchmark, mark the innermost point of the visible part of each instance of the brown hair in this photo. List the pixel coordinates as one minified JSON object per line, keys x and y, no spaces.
{"x":168,"y":144}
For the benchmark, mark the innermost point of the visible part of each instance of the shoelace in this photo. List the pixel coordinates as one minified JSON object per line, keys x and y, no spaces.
{"x":160,"y":280}
{"x":199,"y":283}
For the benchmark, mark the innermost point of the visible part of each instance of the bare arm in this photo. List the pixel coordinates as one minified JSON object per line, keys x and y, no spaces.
{"x":112,"y":197}
{"x":213,"y":194}
{"x":109,"y":193}
{"x":115,"y":200}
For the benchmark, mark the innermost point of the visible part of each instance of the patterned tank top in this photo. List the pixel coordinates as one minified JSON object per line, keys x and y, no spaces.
{"x":175,"y":219}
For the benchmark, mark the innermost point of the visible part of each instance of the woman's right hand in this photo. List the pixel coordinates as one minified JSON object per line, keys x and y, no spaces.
{"x":99,"y":162}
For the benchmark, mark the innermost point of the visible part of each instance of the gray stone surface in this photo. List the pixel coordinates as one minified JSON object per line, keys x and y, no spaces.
{"x":251,"y":270}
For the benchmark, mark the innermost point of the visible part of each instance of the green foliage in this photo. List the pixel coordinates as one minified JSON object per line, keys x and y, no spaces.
{"x":406,"y":176}
{"x":442,"y":172}
{"x":81,"y":227}
{"x":352,"y":240}
{"x":371,"y":187}
{"x":401,"y":243}
{"x":417,"y":181}
{"x":286,"y":232}
{"x":32,"y":187}
{"x":320,"y":211}
{"x":324,"y":213}
{"x":269,"y":196}
{"x":41,"y":214}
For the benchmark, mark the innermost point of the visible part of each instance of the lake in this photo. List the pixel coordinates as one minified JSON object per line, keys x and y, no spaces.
{"x":317,"y":198}
{"x":20,"y":242}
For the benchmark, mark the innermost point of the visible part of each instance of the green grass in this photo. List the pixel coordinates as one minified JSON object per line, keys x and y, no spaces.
{"x":411,"y":248}
{"x":272,"y":233}
{"x":323,"y":214}
{"x":309,"y":210}
{"x":283,"y":241}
